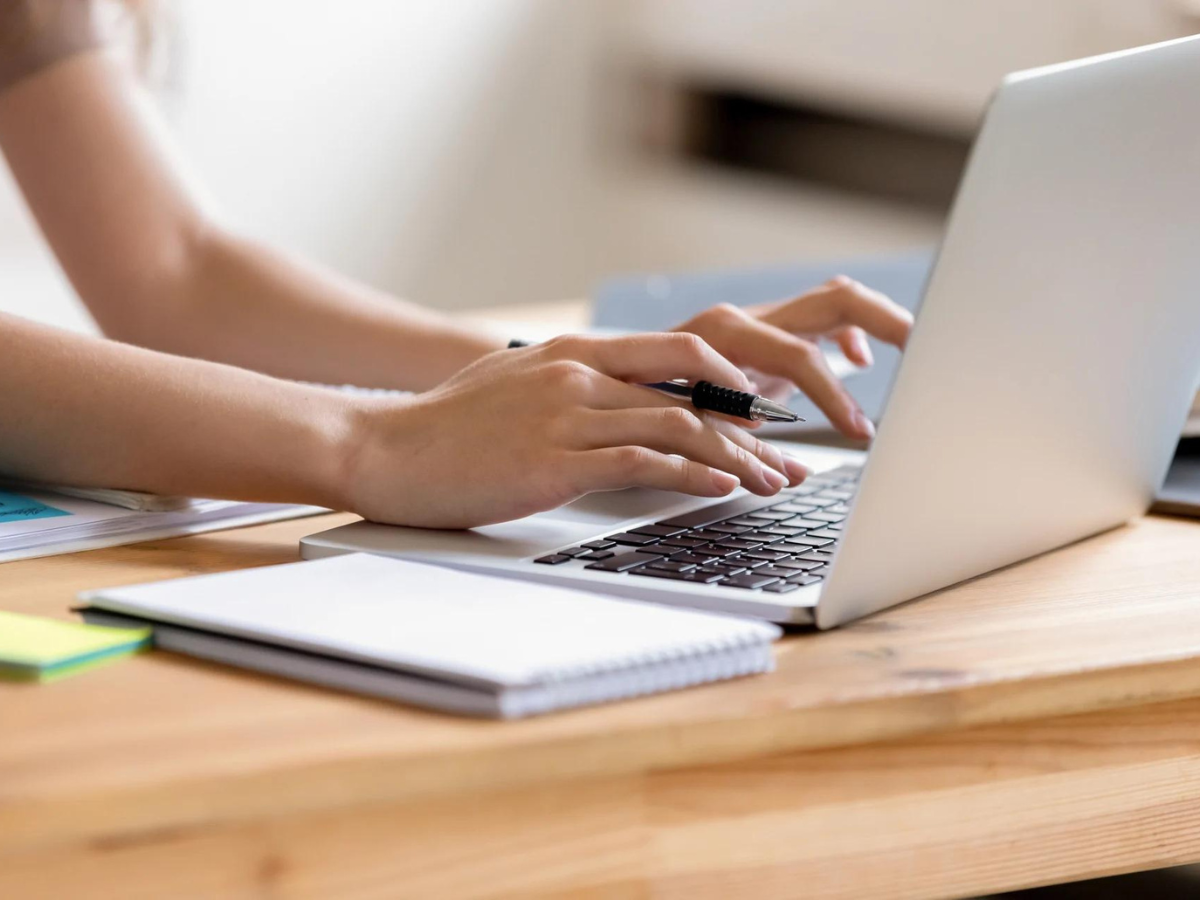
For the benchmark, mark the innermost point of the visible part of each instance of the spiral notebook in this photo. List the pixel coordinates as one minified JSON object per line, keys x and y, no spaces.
{"x":436,"y":637}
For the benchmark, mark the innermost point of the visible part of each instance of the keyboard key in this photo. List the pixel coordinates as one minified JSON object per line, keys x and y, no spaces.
{"x":630,"y":539}
{"x":827,"y":516}
{"x":823,"y":502}
{"x":798,"y":565}
{"x":820,"y":482}
{"x":782,"y":530}
{"x":781,"y":587}
{"x":826,"y":534}
{"x":838,"y":495}
{"x":763,"y":537}
{"x":807,"y":540}
{"x":726,"y":528}
{"x":749,"y":521}
{"x":696,"y":577}
{"x":717,"y":512}
{"x":599,"y":545}
{"x":796,"y":509}
{"x":849,"y":471}
{"x":751,"y":581}
{"x":574,"y":552}
{"x":768,"y":555}
{"x":738,"y":544}
{"x":806,"y":524}
{"x":599,"y":554}
{"x":750,"y":563}
{"x":773,"y":515}
{"x":774,"y":572}
{"x":714,"y":551}
{"x":705,"y":534}
{"x":660,"y":550}
{"x":669,"y":565}
{"x":691,"y":558}
{"x":804,"y":580}
{"x":623,"y":562}
{"x":660,"y":531}
{"x":723,"y":567}
{"x":554,"y":559}
{"x":683,"y":543}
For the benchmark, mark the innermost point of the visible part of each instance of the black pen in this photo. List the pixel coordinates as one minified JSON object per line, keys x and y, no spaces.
{"x":713,"y":397}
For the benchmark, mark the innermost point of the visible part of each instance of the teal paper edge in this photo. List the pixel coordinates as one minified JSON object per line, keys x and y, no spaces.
{"x":32,"y":672}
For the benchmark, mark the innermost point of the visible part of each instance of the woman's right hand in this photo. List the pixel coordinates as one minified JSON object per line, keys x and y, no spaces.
{"x":525,"y":430}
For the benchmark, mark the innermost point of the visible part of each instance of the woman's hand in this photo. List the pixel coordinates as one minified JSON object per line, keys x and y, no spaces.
{"x":521,"y":431}
{"x":777,"y":343}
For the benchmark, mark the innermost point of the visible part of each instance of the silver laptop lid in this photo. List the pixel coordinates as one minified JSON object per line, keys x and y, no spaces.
{"x":1058,"y":344}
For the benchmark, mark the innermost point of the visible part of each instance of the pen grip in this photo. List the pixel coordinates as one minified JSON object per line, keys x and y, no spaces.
{"x":706,"y":395}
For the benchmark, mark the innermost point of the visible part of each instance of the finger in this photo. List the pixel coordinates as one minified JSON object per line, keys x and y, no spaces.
{"x":651,"y":357}
{"x":614,"y":468}
{"x":853,"y":341}
{"x":844,"y":301}
{"x":614,"y":395}
{"x":792,"y":468}
{"x":778,"y":353}
{"x":673,"y":429}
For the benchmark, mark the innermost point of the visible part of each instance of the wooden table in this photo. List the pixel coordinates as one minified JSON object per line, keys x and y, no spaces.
{"x":1028,"y":727}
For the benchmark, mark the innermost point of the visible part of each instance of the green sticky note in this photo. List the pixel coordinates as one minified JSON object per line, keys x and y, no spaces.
{"x":37,"y":649}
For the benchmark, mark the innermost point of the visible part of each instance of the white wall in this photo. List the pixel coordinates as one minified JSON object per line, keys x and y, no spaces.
{"x":348,"y":131}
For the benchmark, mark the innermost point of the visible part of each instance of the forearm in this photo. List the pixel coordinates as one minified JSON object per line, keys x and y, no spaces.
{"x":253,"y":306}
{"x":83,"y":411}
{"x":136,"y":237}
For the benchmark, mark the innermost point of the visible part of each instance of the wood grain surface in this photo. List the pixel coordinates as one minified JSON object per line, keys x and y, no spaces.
{"x":162,"y":745}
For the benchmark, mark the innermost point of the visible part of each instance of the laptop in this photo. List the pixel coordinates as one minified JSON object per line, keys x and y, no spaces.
{"x":1054,"y":359}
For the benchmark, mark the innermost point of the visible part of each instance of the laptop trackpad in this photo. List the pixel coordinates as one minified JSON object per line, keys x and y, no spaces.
{"x":582,"y":520}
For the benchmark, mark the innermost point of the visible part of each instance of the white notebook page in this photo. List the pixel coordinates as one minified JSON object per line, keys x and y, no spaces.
{"x":408,"y":615}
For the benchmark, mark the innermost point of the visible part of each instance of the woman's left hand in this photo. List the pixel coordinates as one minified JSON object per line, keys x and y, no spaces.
{"x":777,"y":343}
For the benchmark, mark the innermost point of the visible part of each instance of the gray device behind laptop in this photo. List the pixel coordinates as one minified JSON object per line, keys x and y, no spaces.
{"x":1045,"y":385}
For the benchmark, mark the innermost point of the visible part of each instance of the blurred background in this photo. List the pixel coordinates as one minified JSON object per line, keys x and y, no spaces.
{"x":481,"y":152}
{"x":473,"y":153}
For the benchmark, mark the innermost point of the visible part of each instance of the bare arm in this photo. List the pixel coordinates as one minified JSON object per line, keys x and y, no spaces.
{"x":156,"y":269}
{"x":511,"y":433}
{"x":81,"y":410}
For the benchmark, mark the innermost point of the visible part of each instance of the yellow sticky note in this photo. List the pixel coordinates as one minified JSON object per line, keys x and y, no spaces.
{"x":37,"y":649}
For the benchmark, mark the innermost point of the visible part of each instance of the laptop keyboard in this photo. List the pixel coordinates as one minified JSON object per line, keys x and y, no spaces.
{"x":778,"y":545}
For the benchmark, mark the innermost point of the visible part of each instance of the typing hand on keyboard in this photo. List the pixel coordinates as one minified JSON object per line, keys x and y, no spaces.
{"x":527,"y":430}
{"x":779,"y":341}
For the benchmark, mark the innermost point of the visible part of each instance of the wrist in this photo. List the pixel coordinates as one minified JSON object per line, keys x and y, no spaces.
{"x":349,"y":433}
{"x":370,"y":444}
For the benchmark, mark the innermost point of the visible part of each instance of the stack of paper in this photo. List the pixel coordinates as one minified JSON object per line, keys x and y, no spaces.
{"x":435,"y":637}
{"x":35,"y":649}
{"x":40,"y":523}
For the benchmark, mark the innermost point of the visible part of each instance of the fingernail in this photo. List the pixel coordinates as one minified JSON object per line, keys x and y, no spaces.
{"x":724,"y":482}
{"x":864,"y":425}
{"x":864,"y":350}
{"x":796,"y":470}
{"x":775,"y":480}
